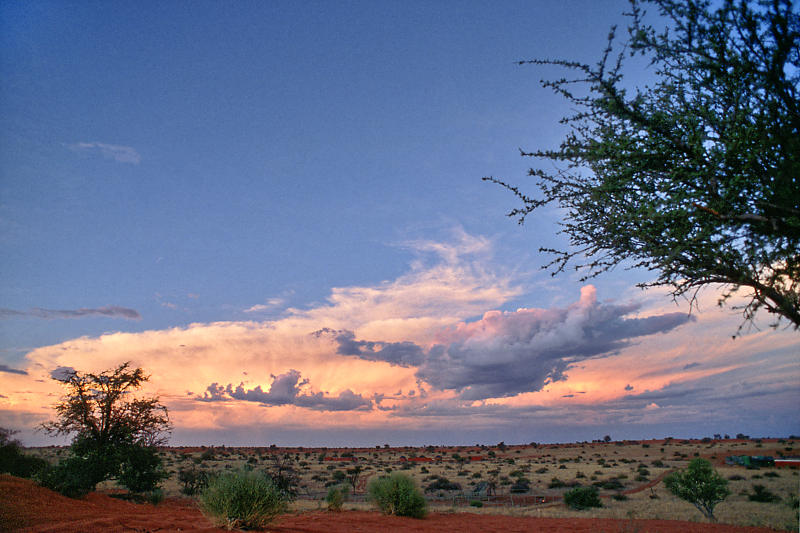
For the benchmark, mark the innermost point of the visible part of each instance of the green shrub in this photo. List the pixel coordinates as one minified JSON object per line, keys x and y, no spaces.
{"x":763,"y":495}
{"x":476,"y":503}
{"x":242,"y":499}
{"x":13,"y":461}
{"x":442,"y":483}
{"x":194,"y":480}
{"x":699,"y":485}
{"x":73,"y":477}
{"x":581,"y":498}
{"x":140,"y":469}
{"x":156,"y":496}
{"x":397,"y":494}
{"x":336,"y":497}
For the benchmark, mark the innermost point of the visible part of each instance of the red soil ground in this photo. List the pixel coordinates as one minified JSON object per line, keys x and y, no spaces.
{"x":25,"y":507}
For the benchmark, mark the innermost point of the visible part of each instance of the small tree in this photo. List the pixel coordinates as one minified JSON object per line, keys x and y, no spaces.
{"x":699,"y":485}
{"x":115,"y":436}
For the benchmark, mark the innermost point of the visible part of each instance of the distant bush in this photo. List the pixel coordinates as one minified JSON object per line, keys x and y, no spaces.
{"x":194,"y":480}
{"x":476,"y":503}
{"x":442,"y":483}
{"x":522,"y":485}
{"x":207,"y":455}
{"x":581,"y":498}
{"x":336,"y":497}
{"x":243,"y":499}
{"x":609,"y":484}
{"x":396,"y":494}
{"x":763,"y":495}
{"x":14,"y":461}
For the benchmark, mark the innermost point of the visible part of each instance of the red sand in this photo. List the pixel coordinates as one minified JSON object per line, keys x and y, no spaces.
{"x":25,"y":507}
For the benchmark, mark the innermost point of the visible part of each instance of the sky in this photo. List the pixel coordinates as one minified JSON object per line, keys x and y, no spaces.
{"x":276,"y":209}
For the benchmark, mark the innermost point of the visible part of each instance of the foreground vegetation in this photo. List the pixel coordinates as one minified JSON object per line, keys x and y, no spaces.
{"x":449,"y":476}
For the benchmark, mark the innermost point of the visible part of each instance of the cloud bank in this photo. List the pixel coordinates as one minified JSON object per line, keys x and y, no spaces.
{"x":286,"y":390}
{"x":507,"y":353}
{"x":408,"y":357}
{"x":111,"y":311}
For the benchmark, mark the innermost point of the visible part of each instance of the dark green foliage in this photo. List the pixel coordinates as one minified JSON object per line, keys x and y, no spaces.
{"x":609,"y":484}
{"x":243,"y":499}
{"x":115,"y":434}
{"x":336,"y":497}
{"x":521,"y":485}
{"x":581,"y":498}
{"x":73,"y":477}
{"x":194,"y":480}
{"x":13,"y":461}
{"x":207,"y":455}
{"x":398,"y":495}
{"x":442,"y":483}
{"x":699,"y":485}
{"x":693,"y":176}
{"x":763,"y":495}
{"x":475,"y":503}
{"x":140,"y":469}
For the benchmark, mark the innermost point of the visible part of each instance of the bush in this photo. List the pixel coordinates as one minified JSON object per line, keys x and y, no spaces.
{"x":442,"y":483}
{"x":156,"y":496}
{"x":396,"y":494}
{"x":13,"y":461}
{"x":476,"y":503}
{"x":242,"y":500}
{"x":140,"y":469}
{"x":193,"y":480}
{"x":763,"y":495}
{"x":336,"y":497}
{"x":581,"y":498}
{"x":73,"y":477}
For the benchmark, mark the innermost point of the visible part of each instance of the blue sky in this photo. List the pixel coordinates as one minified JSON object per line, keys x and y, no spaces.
{"x":165,"y":167}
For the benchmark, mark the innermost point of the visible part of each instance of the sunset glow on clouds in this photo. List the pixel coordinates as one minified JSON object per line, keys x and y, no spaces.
{"x":407,"y":356}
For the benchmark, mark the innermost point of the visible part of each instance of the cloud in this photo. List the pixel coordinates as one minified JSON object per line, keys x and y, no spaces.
{"x":9,"y":370}
{"x":405,"y":353}
{"x":508,"y":353}
{"x":286,"y":390}
{"x":112,"y":311}
{"x":120,"y":154}
{"x":408,"y":354}
{"x":62,"y":373}
{"x":271,"y":304}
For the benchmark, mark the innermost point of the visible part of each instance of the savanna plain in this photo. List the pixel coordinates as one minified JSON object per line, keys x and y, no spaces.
{"x":467,"y":488}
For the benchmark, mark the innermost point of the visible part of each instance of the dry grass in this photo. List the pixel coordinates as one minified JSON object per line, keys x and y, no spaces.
{"x":582,"y":463}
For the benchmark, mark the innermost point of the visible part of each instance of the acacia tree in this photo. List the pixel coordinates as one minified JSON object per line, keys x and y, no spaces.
{"x":699,"y":485}
{"x":115,"y":435}
{"x":695,"y":177}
